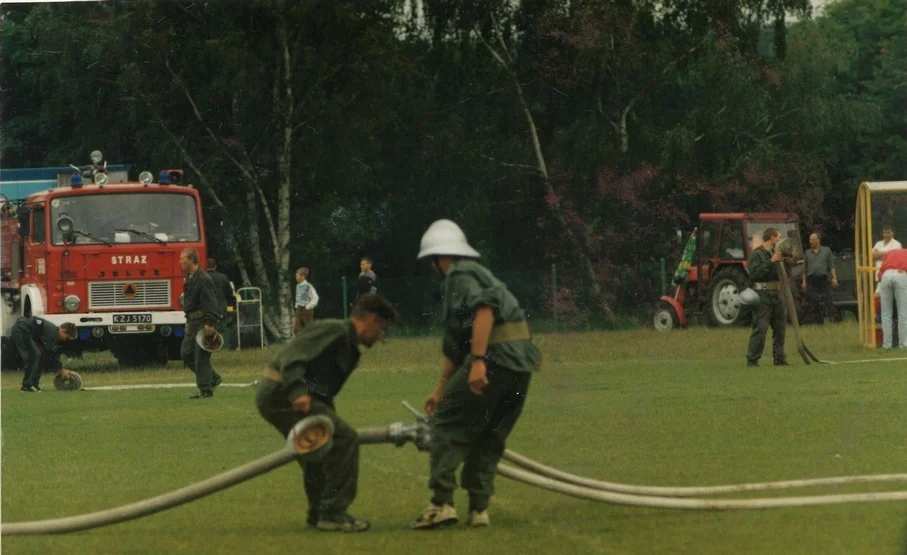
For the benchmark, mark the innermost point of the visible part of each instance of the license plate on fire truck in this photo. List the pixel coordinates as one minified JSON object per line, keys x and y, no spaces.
{"x":143,"y":318}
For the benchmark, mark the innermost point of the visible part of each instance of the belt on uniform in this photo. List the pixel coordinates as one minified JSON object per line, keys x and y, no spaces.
{"x":195,"y":314}
{"x":509,"y":331}
{"x":272,"y":375}
{"x":766,"y":286}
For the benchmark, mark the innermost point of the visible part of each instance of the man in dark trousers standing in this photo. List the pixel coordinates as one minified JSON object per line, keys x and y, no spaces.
{"x":225,"y":298}
{"x":303,"y":380}
{"x":202,"y":310}
{"x":37,"y":340}
{"x":763,"y":268}
{"x":817,"y":281}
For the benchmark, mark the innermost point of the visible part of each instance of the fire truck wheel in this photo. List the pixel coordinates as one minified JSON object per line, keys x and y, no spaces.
{"x":664,"y":317}
{"x":724,"y":306}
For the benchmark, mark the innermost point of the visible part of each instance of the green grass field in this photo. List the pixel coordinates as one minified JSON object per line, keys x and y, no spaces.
{"x":634,"y":407}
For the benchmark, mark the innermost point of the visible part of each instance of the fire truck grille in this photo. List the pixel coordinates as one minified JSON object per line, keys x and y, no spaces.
{"x":129,"y":294}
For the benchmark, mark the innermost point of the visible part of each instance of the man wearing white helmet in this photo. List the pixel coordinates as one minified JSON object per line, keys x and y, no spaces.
{"x":489,"y":358}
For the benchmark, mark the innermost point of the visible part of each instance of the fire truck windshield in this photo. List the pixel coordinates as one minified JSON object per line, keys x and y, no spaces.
{"x":112,"y":218}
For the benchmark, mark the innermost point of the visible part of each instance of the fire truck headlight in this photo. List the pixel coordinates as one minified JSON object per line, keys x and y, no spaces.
{"x":100,"y":179}
{"x":97,"y":332}
{"x":146,"y":178}
{"x":97,"y":157}
{"x":72,"y":303}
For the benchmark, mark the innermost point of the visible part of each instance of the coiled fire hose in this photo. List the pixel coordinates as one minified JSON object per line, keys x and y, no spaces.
{"x":310,"y":439}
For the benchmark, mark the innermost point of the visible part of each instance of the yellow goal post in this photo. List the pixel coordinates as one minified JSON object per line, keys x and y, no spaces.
{"x":891,"y":208}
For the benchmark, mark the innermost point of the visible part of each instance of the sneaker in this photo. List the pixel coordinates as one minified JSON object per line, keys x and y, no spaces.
{"x":37,"y":388}
{"x":216,"y":382}
{"x":751,"y":364}
{"x":478,"y":519}
{"x":342,"y":523}
{"x":29,"y":389}
{"x":436,"y":515}
{"x":782,"y":363}
{"x":202,"y":394}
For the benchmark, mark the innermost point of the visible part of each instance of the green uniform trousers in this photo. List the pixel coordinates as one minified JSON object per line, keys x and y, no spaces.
{"x":471,"y":430}
{"x":197,"y":359}
{"x":330,"y":484}
{"x":30,"y":355}
{"x":770,"y":311}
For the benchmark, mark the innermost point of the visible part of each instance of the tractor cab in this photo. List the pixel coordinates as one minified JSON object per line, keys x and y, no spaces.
{"x":717,"y":268}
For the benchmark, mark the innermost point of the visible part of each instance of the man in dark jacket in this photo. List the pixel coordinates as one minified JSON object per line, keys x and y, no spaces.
{"x":225,"y":299}
{"x":37,"y":340}
{"x":303,"y":380}
{"x":202,"y":309}
{"x":763,"y":269}
{"x":368,"y":280}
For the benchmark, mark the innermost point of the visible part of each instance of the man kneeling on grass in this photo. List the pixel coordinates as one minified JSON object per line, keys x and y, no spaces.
{"x":303,"y":380}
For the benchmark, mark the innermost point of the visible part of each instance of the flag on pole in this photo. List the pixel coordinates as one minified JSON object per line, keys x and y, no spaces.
{"x":689,"y":252}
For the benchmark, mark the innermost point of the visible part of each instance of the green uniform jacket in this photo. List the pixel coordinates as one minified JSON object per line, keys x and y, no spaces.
{"x":467,"y":286}
{"x":46,"y":335}
{"x":762,"y":269}
{"x":318,"y":361}
{"x":200,"y":299}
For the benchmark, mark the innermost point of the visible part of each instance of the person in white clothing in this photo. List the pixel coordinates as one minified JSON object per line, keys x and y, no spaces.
{"x":306,"y":300}
{"x":888,"y":243}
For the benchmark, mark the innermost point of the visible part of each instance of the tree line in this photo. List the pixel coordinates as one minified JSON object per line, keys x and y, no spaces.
{"x":579,"y":133}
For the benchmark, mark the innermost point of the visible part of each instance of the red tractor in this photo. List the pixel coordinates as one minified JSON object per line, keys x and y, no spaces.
{"x":717,"y":272}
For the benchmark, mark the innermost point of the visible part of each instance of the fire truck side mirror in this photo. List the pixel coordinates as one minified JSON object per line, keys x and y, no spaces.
{"x":24,"y":216}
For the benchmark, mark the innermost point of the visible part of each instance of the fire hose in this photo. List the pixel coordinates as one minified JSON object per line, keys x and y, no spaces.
{"x":310,"y":439}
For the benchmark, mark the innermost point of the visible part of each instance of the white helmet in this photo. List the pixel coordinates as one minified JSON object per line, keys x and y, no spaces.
{"x":750,"y":297}
{"x":445,"y":238}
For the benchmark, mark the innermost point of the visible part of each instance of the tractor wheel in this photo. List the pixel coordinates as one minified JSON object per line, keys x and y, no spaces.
{"x":725,"y":308}
{"x":664,"y":317}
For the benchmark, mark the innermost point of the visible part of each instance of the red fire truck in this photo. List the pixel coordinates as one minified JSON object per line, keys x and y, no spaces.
{"x":101,"y":251}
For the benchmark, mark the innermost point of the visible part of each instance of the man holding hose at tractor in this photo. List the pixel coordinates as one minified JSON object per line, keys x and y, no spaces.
{"x":763,"y":269}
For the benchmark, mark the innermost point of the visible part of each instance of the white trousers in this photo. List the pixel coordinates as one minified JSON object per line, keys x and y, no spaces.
{"x":893,"y":289}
